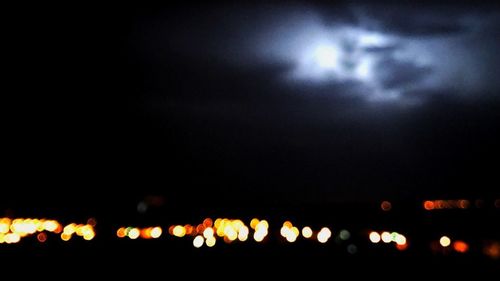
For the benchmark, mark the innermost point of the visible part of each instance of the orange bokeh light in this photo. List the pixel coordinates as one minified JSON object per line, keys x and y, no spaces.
{"x":386,"y":206}
{"x":207,"y":222}
{"x":429,"y":205}
{"x":121,"y":232}
{"x":402,"y":247}
{"x":42,"y":237}
{"x":460,"y":246}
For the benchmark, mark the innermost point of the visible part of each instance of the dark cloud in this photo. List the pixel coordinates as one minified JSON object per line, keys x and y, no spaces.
{"x":426,"y":19}
{"x":396,"y":74}
{"x":418,"y":25}
{"x":216,"y":101}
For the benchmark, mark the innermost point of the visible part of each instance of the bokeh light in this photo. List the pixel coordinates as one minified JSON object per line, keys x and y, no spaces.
{"x":386,"y":237}
{"x":179,"y":231}
{"x":344,"y":234}
{"x":386,"y":206}
{"x":156,"y":232}
{"x":41,"y":237}
{"x":134,"y":233}
{"x":210,"y":241}
{"x":460,"y":246}
{"x":374,"y":237}
{"x":307,"y":232}
{"x":445,"y":241}
{"x":198,"y":241}
{"x":324,"y":234}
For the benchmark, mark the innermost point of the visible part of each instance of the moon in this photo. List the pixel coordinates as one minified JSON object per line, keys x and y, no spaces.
{"x":326,"y":57}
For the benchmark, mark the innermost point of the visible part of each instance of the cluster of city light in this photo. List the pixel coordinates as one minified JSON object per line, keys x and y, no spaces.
{"x":229,"y":230}
{"x":291,"y":233}
{"x":430,"y":205}
{"x":458,"y":246}
{"x":13,"y":230}
{"x":135,"y":232}
{"x":83,"y":230}
{"x":388,"y":237}
{"x":261,"y":229}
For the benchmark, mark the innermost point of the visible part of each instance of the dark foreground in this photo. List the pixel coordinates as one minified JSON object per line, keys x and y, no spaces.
{"x":354,"y":255}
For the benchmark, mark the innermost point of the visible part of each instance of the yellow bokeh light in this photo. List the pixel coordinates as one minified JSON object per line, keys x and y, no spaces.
{"x":288,"y":224}
{"x":179,"y":231}
{"x":220,"y":232}
{"x":217,"y":223}
{"x":237,"y":224}
{"x":374,"y":237}
{"x":386,"y":237}
{"x":70,"y":229}
{"x":134,"y":233}
{"x":50,"y":225}
{"x":39,"y":225}
{"x":210,"y":241}
{"x":263,"y":223}
{"x":12,"y":238}
{"x":6,"y":221}
{"x":65,"y":236}
{"x":198,"y":241}
{"x":23,"y":227}
{"x":4,"y":227}
{"x":89,"y":236}
{"x":253,"y":223}
{"x":156,"y":232}
{"x":86,"y":230}
{"x":445,"y":241}
{"x":79,"y":230}
{"x":307,"y":232}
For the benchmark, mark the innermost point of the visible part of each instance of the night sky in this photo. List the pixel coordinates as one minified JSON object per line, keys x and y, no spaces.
{"x":344,"y":101}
